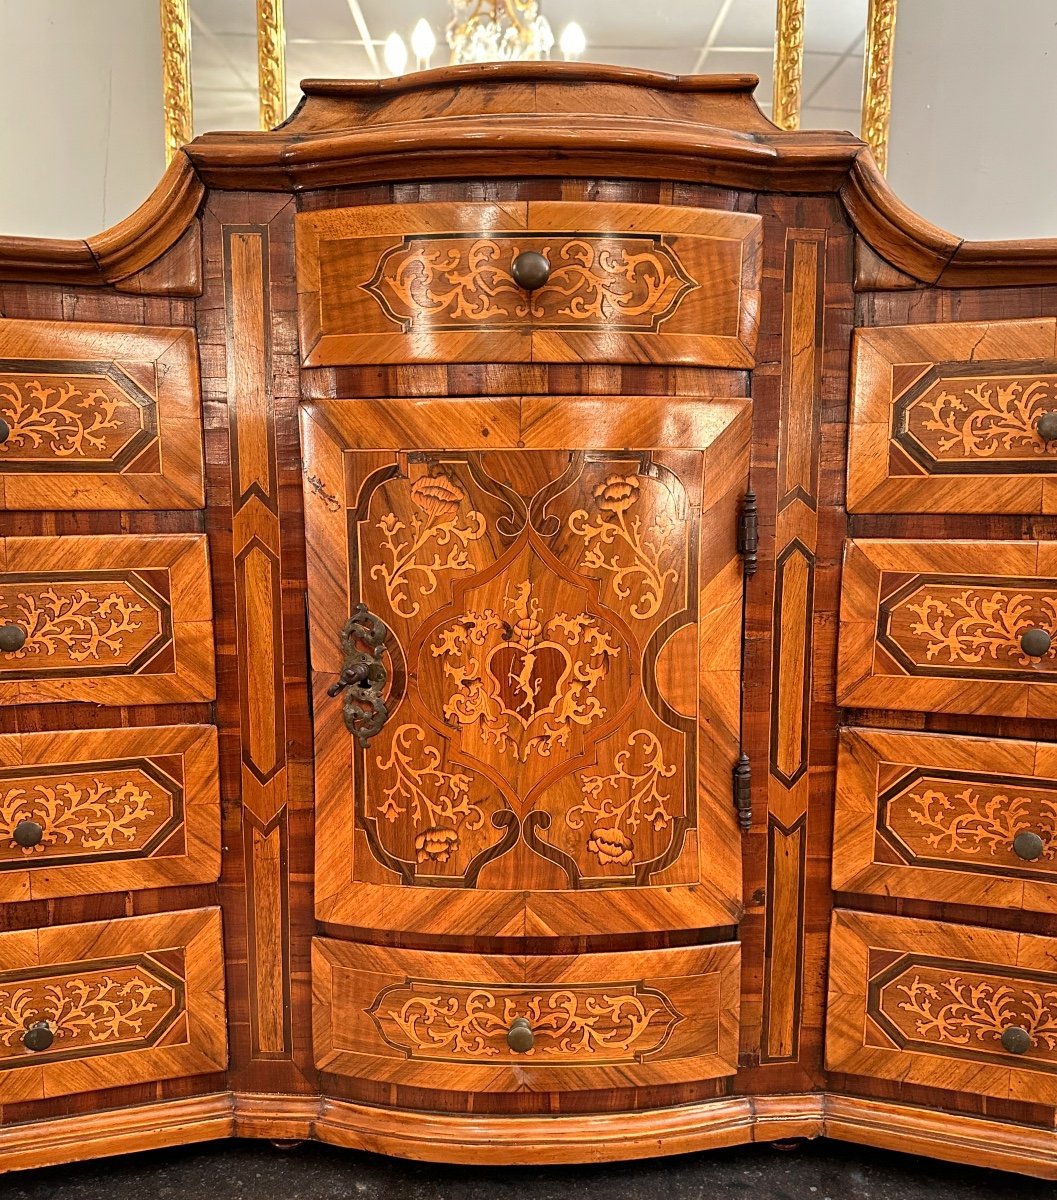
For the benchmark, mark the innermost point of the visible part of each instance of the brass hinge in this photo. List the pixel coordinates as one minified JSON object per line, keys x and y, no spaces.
{"x":749,"y":532}
{"x":743,"y":791}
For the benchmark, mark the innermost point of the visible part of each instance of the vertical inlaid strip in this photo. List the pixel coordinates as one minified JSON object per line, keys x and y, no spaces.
{"x":176,"y":75}
{"x":788,"y":63}
{"x":271,"y":62}
{"x":877,"y":78}
{"x":796,"y":544}
{"x":259,"y":629}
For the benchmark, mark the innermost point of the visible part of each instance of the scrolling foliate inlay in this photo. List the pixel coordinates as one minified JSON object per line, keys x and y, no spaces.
{"x":940,"y":1007}
{"x":968,"y":420}
{"x":419,"y":551}
{"x":91,"y":810}
{"x":938,"y":624}
{"x":89,"y":1011}
{"x":621,"y":1022}
{"x":974,"y":821}
{"x":627,"y":282}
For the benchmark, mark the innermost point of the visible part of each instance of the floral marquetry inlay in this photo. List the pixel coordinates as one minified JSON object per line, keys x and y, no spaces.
{"x":101,"y":419}
{"x":969,"y":623}
{"x":620,"y":1022}
{"x":92,"y":1010}
{"x":626,"y":282}
{"x":973,"y":419}
{"x":937,"y":1006}
{"x":89,"y":810}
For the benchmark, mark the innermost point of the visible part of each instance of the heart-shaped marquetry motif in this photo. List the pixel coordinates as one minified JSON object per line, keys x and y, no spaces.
{"x":530,"y":681}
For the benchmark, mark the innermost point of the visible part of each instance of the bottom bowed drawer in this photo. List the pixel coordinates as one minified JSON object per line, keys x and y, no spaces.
{"x":946,"y":1006}
{"x":466,"y":1022}
{"x":111,"y":1003}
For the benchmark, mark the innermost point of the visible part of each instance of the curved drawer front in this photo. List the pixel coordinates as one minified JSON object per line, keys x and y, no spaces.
{"x":623,"y":283}
{"x":948,"y":1006}
{"x":949,"y":418}
{"x":114,"y":620}
{"x":966,"y":627}
{"x":99,"y":416}
{"x":943,"y":818}
{"x":108,"y":810}
{"x":493,"y":1023}
{"x":111,"y":1003}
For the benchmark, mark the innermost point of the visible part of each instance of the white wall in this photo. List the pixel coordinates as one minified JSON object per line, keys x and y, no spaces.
{"x":973,"y":142}
{"x":81,"y":130}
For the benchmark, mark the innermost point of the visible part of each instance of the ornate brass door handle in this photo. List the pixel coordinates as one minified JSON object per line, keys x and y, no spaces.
{"x":363,"y":675}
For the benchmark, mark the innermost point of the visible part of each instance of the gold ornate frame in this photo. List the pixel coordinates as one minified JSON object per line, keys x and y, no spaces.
{"x":788,"y":69}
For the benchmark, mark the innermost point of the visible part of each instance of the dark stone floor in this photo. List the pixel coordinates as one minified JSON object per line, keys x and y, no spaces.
{"x":257,"y":1170}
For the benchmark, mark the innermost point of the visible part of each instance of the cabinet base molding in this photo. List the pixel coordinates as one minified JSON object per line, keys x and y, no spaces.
{"x":535,"y":1140}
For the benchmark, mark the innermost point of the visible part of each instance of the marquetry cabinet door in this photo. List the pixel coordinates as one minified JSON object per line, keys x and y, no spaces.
{"x":954,"y":417}
{"x":99,"y":416}
{"x":495,"y":1023}
{"x":111,"y":1003}
{"x":963,"y":627}
{"x":110,"y":619}
{"x":544,"y":742}
{"x":958,"y":819}
{"x":547,"y":281}
{"x":108,"y":810}
{"x":945,"y":1006}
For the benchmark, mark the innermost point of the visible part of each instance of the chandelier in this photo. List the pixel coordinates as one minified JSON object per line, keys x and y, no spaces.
{"x":486,"y":31}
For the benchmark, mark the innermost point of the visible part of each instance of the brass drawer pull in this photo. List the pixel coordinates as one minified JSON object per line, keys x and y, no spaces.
{"x":5,"y":431}
{"x":1046,"y":427}
{"x":530,"y":270}
{"x":38,"y":1036}
{"x":28,"y":834}
{"x":1016,"y":1040}
{"x":1028,"y":846}
{"x":520,"y":1037}
{"x":1035,"y":643}
{"x":12,"y":638}
{"x":363,"y":675}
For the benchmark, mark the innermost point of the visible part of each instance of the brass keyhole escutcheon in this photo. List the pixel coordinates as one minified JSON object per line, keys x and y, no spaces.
{"x":520,"y":1037}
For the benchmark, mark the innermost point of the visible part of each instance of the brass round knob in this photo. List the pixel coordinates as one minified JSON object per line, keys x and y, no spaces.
{"x":5,"y":431}
{"x":1016,"y":1040}
{"x":519,"y":1037}
{"x":1028,"y":846}
{"x":530,"y":270}
{"x":1035,"y":642}
{"x":12,"y":638}
{"x":38,"y":1037}
{"x":1046,"y":427}
{"x":28,"y":833}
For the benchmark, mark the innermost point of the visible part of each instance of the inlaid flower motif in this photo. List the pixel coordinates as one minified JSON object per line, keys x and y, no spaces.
{"x":436,"y":844}
{"x":439,"y":495}
{"x":618,"y":493}
{"x":613,"y":847}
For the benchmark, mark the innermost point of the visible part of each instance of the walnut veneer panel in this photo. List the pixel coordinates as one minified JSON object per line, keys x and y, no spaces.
{"x":928,"y":1003}
{"x":628,"y":283}
{"x":937,"y":626}
{"x":597,"y":1020}
{"x":110,"y":619}
{"x":935,"y":816}
{"x":125,"y":1001}
{"x":99,"y":416}
{"x":114,"y":809}
{"x":563,"y":658}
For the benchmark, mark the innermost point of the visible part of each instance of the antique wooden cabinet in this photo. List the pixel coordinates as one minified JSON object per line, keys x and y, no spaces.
{"x":528,"y":633}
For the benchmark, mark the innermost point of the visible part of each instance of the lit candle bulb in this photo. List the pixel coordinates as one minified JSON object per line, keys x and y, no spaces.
{"x":423,"y":43}
{"x":573,"y":41}
{"x":395,"y":54}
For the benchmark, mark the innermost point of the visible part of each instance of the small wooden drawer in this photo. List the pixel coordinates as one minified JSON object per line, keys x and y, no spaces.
{"x":947,"y":1006}
{"x":950,"y":819}
{"x":108,"y":810}
{"x":111,"y":1003}
{"x":945,"y":418}
{"x":99,"y":416}
{"x":963,"y":627}
{"x":405,"y":283}
{"x":442,"y":1021}
{"x":113,"y":620}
